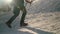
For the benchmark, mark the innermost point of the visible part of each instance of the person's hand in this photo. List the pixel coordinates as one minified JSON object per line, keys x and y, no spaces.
{"x":29,"y":1}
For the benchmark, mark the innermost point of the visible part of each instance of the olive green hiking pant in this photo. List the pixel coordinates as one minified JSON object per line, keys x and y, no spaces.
{"x":16,"y":12}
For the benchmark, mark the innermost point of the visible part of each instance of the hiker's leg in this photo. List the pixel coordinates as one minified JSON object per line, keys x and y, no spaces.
{"x":23,"y":17}
{"x":16,"y":13}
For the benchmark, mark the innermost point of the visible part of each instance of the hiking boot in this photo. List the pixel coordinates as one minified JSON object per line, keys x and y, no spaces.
{"x":9,"y":25}
{"x":23,"y":24}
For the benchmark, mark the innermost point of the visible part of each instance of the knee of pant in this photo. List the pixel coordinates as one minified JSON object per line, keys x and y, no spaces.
{"x":22,"y":7}
{"x":16,"y":12}
{"x":24,"y":10}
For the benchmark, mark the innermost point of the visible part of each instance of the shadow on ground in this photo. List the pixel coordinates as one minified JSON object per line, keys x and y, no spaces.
{"x":5,"y":30}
